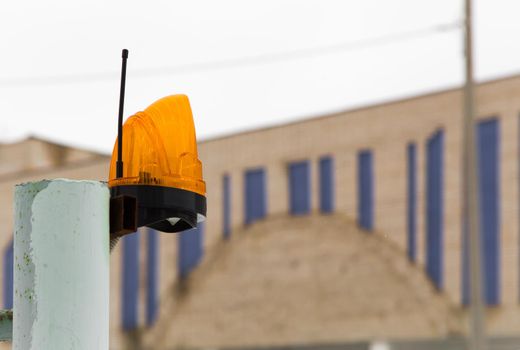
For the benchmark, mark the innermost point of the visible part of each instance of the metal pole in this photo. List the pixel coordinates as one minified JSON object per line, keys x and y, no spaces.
{"x":470,"y":195}
{"x":61,"y":265}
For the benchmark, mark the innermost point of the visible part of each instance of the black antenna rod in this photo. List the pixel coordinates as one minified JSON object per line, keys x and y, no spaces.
{"x":119,"y":163}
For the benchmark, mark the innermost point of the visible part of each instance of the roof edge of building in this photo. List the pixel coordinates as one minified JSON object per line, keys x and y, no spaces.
{"x":361,"y":107}
{"x":302,"y":119}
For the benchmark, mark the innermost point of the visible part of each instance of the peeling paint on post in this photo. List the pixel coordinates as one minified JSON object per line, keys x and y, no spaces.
{"x":61,"y":265}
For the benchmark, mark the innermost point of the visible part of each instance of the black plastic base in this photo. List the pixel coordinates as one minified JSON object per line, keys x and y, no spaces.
{"x":156,"y":204}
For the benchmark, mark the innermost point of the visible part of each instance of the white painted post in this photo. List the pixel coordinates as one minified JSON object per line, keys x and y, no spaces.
{"x":61,"y":265}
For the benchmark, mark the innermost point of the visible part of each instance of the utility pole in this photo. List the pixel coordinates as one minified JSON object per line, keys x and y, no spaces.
{"x":471,"y":207}
{"x":61,"y":265}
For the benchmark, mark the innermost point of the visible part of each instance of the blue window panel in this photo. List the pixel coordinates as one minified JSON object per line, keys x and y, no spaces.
{"x":488,"y":156}
{"x":299,"y":188}
{"x":152,"y":274}
{"x":185,"y":252}
{"x":411,"y":201}
{"x":190,"y":249}
{"x":434,"y":209}
{"x":8,"y":276}
{"x":255,"y":195}
{"x":327,"y":185}
{"x":226,"y":206}
{"x":199,"y":244}
{"x":489,"y":190}
{"x":130,"y":285}
{"x":365,"y":190}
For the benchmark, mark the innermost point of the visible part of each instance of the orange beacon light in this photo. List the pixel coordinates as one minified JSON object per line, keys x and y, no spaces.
{"x":157,"y":164}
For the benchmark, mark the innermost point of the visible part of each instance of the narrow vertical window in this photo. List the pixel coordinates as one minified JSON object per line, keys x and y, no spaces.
{"x":255,"y":195}
{"x":299,"y":188}
{"x":434,"y":208}
{"x":152,"y":275}
{"x":326,"y":185}
{"x":190,"y":249}
{"x":365,"y":190}
{"x":226,"y":206}
{"x":411,"y":201}
{"x":489,"y":192}
{"x":130,"y":285}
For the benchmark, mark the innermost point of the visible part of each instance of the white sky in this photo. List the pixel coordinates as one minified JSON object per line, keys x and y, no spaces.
{"x":60,"y":60}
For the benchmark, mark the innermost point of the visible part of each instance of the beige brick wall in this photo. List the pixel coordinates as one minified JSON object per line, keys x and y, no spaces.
{"x":386,"y":129}
{"x":307,"y":280}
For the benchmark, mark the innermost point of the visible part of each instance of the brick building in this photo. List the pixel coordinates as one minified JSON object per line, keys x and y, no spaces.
{"x":383,"y":182}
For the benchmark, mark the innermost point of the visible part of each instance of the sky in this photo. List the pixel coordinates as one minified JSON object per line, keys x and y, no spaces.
{"x":244,"y":64}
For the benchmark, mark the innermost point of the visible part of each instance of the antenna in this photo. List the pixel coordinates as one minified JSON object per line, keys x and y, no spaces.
{"x":119,"y":163}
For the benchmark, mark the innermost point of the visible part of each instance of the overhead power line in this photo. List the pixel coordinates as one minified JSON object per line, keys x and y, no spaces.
{"x":230,"y":63}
